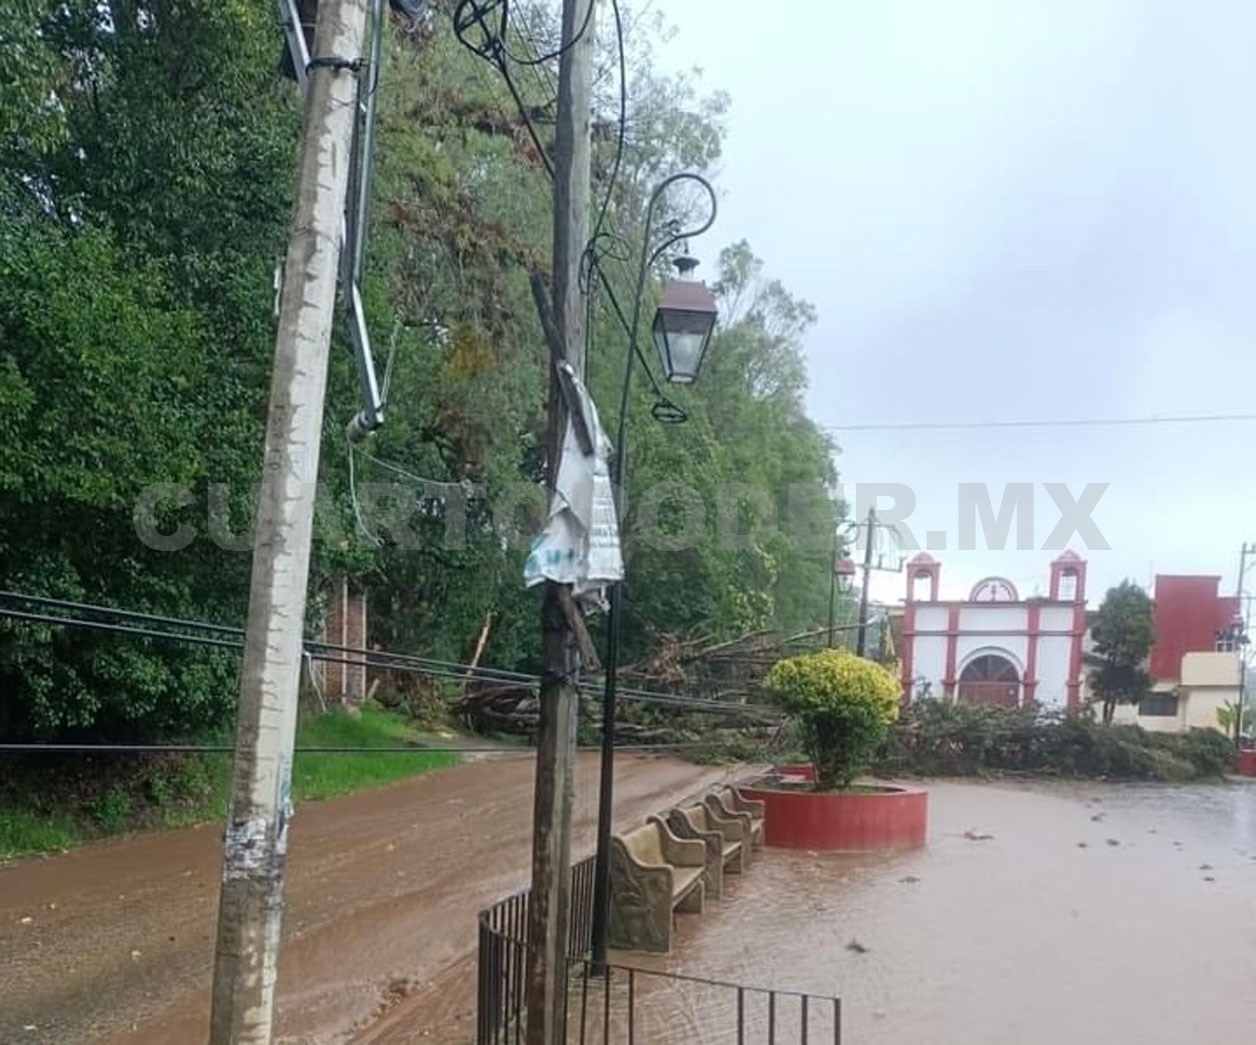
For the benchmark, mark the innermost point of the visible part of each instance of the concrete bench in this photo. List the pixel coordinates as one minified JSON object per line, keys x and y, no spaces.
{"x":721,"y":836}
{"x":738,"y":806}
{"x":653,"y":873}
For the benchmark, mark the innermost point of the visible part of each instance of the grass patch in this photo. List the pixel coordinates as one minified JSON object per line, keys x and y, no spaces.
{"x":33,"y":831}
{"x":316,"y":776}
{"x":53,"y":805}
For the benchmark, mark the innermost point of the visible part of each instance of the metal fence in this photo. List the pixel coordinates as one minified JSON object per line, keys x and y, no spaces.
{"x":631,"y":1004}
{"x":503,"y":955}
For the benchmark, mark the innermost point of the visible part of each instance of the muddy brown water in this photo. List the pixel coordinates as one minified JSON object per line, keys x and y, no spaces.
{"x":1095,"y":914}
{"x":114,"y":942}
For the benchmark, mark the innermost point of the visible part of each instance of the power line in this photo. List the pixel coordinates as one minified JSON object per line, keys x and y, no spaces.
{"x":1076,"y":422}
{"x":222,"y":749}
{"x":472,"y":15}
{"x":136,"y":624}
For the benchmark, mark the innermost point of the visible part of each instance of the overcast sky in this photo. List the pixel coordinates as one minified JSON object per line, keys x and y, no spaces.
{"x":1008,"y":209}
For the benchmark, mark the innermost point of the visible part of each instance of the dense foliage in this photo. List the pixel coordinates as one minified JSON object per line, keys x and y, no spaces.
{"x":843,"y":704}
{"x":943,"y":738}
{"x":1123,"y":635}
{"x":146,"y":162}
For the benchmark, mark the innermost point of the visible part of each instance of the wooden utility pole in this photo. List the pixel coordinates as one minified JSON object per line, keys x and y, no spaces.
{"x":556,"y":738}
{"x":251,"y":898}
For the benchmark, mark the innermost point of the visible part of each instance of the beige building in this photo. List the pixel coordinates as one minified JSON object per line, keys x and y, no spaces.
{"x":1209,"y":680}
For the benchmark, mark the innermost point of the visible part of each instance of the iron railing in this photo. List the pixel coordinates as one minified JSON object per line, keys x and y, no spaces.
{"x":626,"y":1004}
{"x":503,"y":954}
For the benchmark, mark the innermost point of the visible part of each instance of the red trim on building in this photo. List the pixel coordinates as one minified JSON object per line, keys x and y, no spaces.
{"x":1030,"y":681}
{"x":1075,"y":659}
{"x":923,"y":565}
{"x":909,"y":641}
{"x":952,"y":642}
{"x":1007,"y":632}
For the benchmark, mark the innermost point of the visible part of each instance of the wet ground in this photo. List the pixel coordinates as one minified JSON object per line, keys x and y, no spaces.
{"x":1094,"y":914}
{"x":113,"y":942}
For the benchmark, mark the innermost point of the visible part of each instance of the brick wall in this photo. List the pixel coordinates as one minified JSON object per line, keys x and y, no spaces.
{"x":344,"y":624}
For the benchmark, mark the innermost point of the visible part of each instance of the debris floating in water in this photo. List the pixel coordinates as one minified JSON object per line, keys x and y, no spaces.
{"x":974,"y":835}
{"x":857,"y":947}
{"x":1114,"y":841}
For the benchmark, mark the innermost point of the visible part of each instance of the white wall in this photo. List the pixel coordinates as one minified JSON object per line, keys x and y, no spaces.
{"x":993,"y":617}
{"x":1056,"y":618}
{"x":1202,"y":705}
{"x":932,"y":618}
{"x":1054,"y":652}
{"x":974,"y":639}
{"x":929,"y":660}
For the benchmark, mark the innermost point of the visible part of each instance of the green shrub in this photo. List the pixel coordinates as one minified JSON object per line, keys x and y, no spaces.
{"x":1208,"y":750}
{"x":941,"y":738}
{"x":844,"y":706}
{"x":112,"y":809}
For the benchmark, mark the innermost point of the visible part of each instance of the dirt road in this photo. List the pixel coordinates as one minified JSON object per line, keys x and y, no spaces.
{"x":114,"y":942}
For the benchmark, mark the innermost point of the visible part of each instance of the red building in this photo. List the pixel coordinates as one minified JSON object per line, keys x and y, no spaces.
{"x":1195,"y":660}
{"x":1189,"y":614}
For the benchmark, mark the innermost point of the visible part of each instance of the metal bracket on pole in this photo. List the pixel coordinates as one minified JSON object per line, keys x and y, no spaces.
{"x":357,"y":205}
{"x":357,"y":225}
{"x":294,"y":34}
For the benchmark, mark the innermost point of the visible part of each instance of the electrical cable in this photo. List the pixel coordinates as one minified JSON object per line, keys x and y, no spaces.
{"x":1077,"y":422}
{"x":545,"y":59}
{"x":543,"y":74}
{"x":619,"y":132}
{"x":527,"y":121}
{"x":471,"y":14}
{"x":213,"y":749}
{"x":357,"y":507}
{"x":442,"y":484}
{"x":337,"y":654}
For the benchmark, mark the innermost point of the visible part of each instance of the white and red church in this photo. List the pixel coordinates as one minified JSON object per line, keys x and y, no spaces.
{"x":995,"y":647}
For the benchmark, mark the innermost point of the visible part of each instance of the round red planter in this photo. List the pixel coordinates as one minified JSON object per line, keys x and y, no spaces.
{"x":836,"y":821}
{"x":1246,"y":765}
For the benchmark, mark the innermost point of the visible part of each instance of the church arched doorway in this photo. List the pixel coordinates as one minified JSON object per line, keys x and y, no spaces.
{"x":990,"y":679}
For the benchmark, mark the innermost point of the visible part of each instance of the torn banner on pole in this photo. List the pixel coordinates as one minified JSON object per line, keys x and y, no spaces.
{"x":580,"y":542}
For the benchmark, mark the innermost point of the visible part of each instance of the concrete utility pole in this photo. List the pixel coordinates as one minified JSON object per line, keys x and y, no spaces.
{"x":556,"y":737}
{"x":251,"y":899}
{"x":1247,"y":550}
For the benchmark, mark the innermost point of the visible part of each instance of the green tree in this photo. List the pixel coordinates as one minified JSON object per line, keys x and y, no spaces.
{"x":1123,"y":635}
{"x":143,"y":205}
{"x":146,"y":159}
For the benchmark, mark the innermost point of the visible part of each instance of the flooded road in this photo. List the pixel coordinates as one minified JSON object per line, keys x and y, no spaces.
{"x":114,"y":942}
{"x":1095,"y":914}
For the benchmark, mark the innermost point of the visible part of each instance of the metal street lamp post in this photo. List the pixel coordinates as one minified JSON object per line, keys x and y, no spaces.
{"x":681,"y":331}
